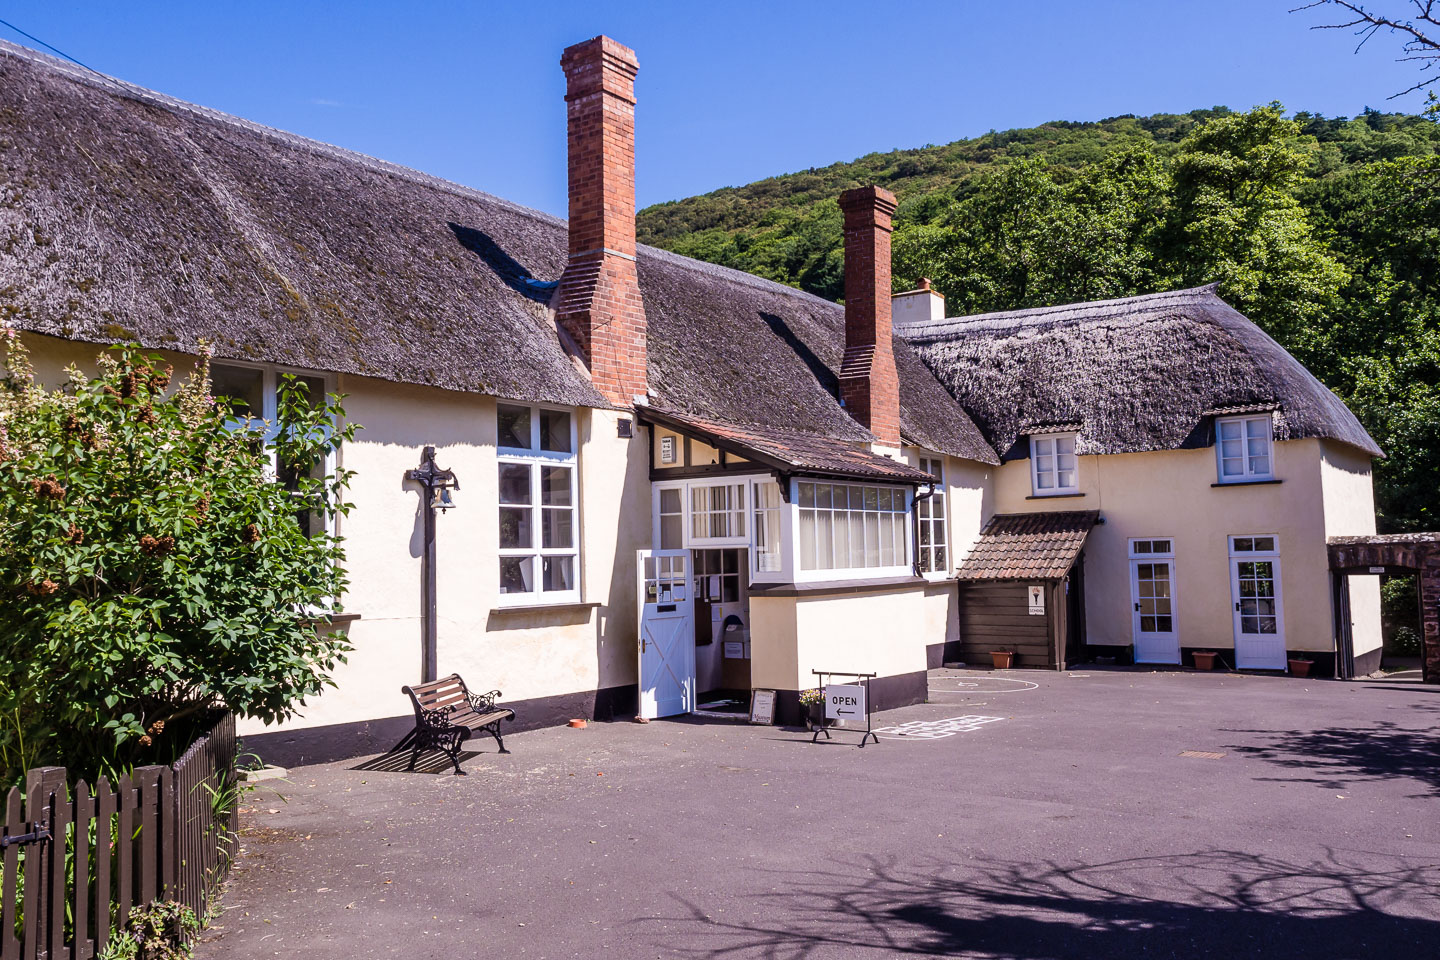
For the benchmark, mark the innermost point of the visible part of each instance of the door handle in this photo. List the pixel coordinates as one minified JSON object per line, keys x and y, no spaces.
{"x":1137,"y":606}
{"x":642,"y":643}
{"x":1237,"y":606}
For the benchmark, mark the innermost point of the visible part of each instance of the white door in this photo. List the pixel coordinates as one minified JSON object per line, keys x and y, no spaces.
{"x":1259,"y":619}
{"x":667,"y":634}
{"x":1152,"y":595}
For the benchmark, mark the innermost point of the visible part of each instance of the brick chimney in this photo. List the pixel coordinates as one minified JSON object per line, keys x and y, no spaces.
{"x":598,"y":301}
{"x":868,"y":383}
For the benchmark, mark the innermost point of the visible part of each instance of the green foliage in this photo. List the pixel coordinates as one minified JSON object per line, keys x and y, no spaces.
{"x":1325,"y":231}
{"x":151,"y":569}
{"x":161,"y":930}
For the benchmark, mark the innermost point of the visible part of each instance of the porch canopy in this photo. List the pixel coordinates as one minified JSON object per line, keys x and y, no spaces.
{"x":1028,"y":546}
{"x":1395,"y":554}
{"x":785,"y":452}
{"x":1021,"y":589}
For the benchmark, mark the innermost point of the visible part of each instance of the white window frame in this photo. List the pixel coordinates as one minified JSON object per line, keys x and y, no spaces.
{"x":902,"y":567}
{"x":688,"y":541}
{"x":936,"y":469}
{"x":270,"y":375}
{"x":535,"y":459}
{"x":1248,"y":474}
{"x":782,"y":573}
{"x":740,"y":510}
{"x":1036,"y":440}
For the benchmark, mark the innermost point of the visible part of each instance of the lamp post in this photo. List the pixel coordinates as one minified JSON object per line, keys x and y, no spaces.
{"x":437,"y":485}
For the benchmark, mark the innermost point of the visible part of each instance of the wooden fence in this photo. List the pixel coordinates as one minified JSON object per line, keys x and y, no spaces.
{"x":76,"y":860}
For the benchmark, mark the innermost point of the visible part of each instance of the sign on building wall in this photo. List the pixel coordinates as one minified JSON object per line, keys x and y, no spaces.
{"x":1037,"y":599}
{"x":844,"y":701}
{"x":762,"y":706}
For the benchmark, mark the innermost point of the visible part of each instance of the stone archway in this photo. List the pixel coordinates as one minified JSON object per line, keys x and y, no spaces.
{"x":1397,"y":553}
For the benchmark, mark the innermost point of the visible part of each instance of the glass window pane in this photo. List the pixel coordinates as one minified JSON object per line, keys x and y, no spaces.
{"x":824,"y":539}
{"x":513,"y":427}
{"x":1266,"y":544}
{"x":1230,"y":429}
{"x":807,"y":494}
{"x":242,"y":386}
{"x":1257,"y":428}
{"x":887,"y":539}
{"x":872,"y":498}
{"x":1065,"y":479}
{"x":555,"y":486}
{"x":857,"y":536}
{"x":1065,"y":446}
{"x":807,"y":539}
{"x":872,"y":540}
{"x":670,"y":532}
{"x":1244,"y":545}
{"x":940,"y":562}
{"x":515,"y":527}
{"x":555,"y":431}
{"x":517,"y":575}
{"x":558,"y":531}
{"x":822,"y":495}
{"x":670,"y":501}
{"x":842,"y":538}
{"x":1260,"y":466}
{"x":514,"y":483}
{"x":559,"y":573}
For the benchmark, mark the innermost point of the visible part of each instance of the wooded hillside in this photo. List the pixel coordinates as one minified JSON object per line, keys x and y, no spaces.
{"x":1325,"y":231}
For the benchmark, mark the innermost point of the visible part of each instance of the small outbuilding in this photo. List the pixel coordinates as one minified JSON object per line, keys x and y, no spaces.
{"x":1022,"y":590}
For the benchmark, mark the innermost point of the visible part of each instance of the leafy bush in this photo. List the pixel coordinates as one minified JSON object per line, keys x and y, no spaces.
{"x":151,"y":567}
{"x":162,"y":930}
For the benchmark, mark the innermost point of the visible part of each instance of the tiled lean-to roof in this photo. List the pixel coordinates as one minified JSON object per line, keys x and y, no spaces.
{"x":1028,"y":546}
{"x":791,"y":451}
{"x":129,"y":215}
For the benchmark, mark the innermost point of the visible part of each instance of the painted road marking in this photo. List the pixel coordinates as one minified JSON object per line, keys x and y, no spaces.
{"x":933,"y":729}
{"x":994,"y":685}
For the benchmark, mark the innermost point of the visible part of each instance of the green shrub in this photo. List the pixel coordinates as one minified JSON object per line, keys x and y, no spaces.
{"x":162,"y":930}
{"x":152,"y":569}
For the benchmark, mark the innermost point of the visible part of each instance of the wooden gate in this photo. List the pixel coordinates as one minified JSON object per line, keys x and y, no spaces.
{"x":76,"y":860}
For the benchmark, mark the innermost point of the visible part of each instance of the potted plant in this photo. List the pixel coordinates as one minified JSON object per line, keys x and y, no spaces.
{"x":1300,"y":666}
{"x":1002,"y":658}
{"x":812,"y":707}
{"x":1204,"y":659}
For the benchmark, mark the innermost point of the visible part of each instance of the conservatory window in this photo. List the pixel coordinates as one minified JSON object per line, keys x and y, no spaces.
{"x":1242,"y":449}
{"x":930,"y":516}
{"x":717,"y":512}
{"x":851,"y":527}
{"x":539,"y":530}
{"x":1052,"y":465}
{"x":768,"y":545}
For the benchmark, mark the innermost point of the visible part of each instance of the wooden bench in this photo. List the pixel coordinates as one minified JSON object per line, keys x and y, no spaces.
{"x":447,"y":714}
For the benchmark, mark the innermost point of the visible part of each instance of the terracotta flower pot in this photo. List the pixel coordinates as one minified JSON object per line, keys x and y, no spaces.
{"x":1204,"y":659}
{"x":1300,"y":668}
{"x":1002,"y":658}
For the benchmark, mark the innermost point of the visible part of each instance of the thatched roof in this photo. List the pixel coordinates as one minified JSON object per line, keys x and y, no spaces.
{"x":128,"y":215}
{"x":1028,"y":546}
{"x":790,"y":451}
{"x":1142,"y":373}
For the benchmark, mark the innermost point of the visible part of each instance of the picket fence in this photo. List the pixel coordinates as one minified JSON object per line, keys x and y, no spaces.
{"x":76,"y":860}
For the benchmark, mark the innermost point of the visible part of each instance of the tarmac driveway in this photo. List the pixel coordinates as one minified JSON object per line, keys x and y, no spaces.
{"x":1019,"y":814}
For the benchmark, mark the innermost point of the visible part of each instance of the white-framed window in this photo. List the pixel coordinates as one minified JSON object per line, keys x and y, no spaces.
{"x":1243,"y":449}
{"x":717,"y":513}
{"x":538,"y":493}
{"x":253,"y":390}
{"x":851,"y":527}
{"x":1159,"y":547}
{"x":767,"y":549}
{"x":1052,"y":465}
{"x":670,"y":509}
{"x":932,"y":521}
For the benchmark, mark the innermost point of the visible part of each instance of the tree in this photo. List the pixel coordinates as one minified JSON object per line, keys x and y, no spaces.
{"x":151,"y":568}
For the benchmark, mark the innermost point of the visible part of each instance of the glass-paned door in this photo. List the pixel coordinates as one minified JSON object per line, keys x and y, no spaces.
{"x":1255,"y":592}
{"x":1152,"y":594}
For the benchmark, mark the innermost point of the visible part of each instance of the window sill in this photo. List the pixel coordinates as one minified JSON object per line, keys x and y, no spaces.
{"x":834,"y":586}
{"x":1245,"y":483}
{"x":1054,"y":496}
{"x":542,"y":607}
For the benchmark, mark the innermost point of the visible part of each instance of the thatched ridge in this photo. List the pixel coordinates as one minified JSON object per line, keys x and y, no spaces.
{"x":128,"y":215}
{"x":1135,"y":374}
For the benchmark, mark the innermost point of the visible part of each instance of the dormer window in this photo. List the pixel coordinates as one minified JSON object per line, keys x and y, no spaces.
{"x":1242,"y":449}
{"x":1052,"y":465}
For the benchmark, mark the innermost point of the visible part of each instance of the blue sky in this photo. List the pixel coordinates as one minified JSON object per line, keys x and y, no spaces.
{"x":728,"y":92}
